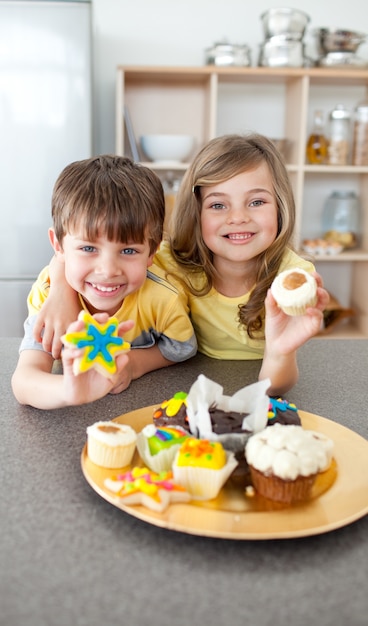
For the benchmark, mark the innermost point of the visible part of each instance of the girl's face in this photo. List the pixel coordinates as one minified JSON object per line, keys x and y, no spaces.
{"x":104,"y":272}
{"x":239,"y":216}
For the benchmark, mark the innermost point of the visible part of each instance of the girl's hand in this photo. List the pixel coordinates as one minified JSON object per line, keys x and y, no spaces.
{"x":92,"y":385}
{"x":60,"y":309}
{"x":284,"y":333}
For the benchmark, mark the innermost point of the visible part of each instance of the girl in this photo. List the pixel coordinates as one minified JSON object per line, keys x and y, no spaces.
{"x":231,"y":235}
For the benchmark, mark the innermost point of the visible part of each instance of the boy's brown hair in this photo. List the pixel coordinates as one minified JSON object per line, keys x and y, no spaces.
{"x":109,"y":195}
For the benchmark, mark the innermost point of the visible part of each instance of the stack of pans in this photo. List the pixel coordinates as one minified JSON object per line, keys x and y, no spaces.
{"x":284,"y":30}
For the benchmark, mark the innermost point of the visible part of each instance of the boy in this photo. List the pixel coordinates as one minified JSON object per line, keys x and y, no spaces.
{"x":108,"y":215}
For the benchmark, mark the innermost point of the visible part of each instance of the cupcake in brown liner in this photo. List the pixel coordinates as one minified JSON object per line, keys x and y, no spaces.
{"x":284,"y":461}
{"x":110,"y":444}
{"x":294,"y":291}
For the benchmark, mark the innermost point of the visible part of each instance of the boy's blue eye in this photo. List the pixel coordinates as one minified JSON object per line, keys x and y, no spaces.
{"x":129,"y":251}
{"x":88,"y":248}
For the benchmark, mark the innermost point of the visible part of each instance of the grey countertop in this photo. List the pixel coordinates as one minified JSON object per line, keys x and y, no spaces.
{"x":69,"y":558}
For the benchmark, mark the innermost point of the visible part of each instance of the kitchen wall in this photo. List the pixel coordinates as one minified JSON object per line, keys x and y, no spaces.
{"x":177,"y":32}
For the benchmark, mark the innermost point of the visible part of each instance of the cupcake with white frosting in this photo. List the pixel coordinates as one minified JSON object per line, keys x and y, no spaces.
{"x":110,"y":444}
{"x":294,"y":291}
{"x":285,"y":461}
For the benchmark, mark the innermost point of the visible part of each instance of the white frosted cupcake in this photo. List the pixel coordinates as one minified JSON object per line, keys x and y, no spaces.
{"x":284,"y":461}
{"x":110,"y":444}
{"x":294,"y":291}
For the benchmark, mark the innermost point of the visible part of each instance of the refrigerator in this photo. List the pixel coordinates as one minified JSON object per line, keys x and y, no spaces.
{"x":45,"y":123}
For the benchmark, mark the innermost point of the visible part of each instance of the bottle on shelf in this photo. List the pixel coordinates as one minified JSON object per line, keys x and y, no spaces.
{"x":171,"y":187}
{"x":339,"y":136}
{"x":316,"y":151}
{"x":360,"y":134}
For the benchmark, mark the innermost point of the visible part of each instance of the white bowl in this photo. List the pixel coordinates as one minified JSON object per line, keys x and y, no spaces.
{"x":171,"y":148}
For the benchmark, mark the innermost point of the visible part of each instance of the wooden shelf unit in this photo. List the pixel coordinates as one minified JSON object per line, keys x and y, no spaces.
{"x":279,"y":102}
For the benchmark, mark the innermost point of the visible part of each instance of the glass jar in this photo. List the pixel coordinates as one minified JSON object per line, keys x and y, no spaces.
{"x":339,"y":136}
{"x":360,"y":134}
{"x":316,"y":150}
{"x":341,"y":218}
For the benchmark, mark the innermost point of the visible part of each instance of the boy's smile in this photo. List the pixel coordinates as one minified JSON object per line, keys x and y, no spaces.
{"x":104,"y":272}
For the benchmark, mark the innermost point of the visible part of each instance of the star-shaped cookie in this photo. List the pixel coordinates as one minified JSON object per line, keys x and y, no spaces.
{"x":141,"y":486}
{"x":101,"y":345}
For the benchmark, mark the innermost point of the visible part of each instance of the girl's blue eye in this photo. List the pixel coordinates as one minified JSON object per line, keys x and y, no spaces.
{"x":257,"y":203}
{"x":217,"y":205}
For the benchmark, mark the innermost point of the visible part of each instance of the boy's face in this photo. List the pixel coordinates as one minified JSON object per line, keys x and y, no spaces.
{"x":104,"y":272}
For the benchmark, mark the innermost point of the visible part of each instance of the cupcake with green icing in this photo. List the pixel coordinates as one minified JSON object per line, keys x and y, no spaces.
{"x":157,"y":446}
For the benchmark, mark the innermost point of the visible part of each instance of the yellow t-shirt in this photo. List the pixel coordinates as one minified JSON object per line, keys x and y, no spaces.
{"x":158,"y":309}
{"x":215,"y":317}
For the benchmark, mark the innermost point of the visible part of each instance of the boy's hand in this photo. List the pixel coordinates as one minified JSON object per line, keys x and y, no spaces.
{"x":123,"y":376}
{"x":92,"y":385}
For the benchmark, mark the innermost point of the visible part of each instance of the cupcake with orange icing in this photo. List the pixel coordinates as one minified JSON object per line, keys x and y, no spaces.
{"x":203,"y":467}
{"x":294,"y":291}
{"x":157,"y":446}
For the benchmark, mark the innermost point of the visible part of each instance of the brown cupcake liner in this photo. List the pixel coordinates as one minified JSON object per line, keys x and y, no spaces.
{"x":280,"y":490}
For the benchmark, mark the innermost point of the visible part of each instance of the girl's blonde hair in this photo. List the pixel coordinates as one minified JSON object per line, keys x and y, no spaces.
{"x":221,"y":159}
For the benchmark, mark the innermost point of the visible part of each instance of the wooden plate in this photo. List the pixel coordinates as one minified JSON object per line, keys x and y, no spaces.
{"x":341,"y":496}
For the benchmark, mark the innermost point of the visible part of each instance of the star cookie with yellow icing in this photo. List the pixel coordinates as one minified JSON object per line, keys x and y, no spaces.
{"x":141,"y":486}
{"x":100,"y":342}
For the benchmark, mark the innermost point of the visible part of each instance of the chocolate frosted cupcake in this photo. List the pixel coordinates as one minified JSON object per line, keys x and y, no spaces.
{"x":280,"y":411}
{"x":173,"y":412}
{"x":231,"y":420}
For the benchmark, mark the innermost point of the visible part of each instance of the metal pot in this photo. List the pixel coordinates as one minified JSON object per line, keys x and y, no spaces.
{"x":227,"y":54}
{"x":284,"y":21}
{"x":277,"y":53}
{"x":338,"y":40}
{"x":342,"y":60}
